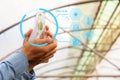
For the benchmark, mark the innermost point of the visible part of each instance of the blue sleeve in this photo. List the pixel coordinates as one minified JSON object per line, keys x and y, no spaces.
{"x":14,"y":67}
{"x":27,"y":76}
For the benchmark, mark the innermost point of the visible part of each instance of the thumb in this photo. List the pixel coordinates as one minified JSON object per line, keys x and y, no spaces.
{"x":28,"y":33}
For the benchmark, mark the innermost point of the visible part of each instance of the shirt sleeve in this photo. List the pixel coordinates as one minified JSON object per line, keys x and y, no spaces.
{"x":27,"y":76}
{"x":14,"y":67}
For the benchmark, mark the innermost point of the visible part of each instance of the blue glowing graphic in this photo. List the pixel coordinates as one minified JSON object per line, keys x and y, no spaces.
{"x":63,"y":19}
{"x":61,"y":10}
{"x":88,"y":34}
{"x":23,"y":18}
{"x":75,"y":14}
{"x":75,"y":42}
{"x":61,"y":15}
{"x":75,"y":26}
{"x":88,"y":21}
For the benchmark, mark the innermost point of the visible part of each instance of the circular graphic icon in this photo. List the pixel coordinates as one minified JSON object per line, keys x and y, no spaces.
{"x":75,"y":14}
{"x":75,"y":26}
{"x":44,"y":10}
{"x":88,"y":21}
{"x":75,"y":42}
{"x":88,"y":34}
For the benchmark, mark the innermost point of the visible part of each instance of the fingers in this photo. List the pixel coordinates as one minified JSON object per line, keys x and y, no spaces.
{"x":47,"y":28}
{"x":46,"y":49}
{"x":51,"y":46}
{"x":28,"y":33}
{"x":46,"y":58}
{"x":49,"y":54}
{"x":49,"y":34}
{"x":41,"y":41}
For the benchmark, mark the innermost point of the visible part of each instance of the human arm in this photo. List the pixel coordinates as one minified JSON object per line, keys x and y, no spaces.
{"x":11,"y":68}
{"x":22,"y":62}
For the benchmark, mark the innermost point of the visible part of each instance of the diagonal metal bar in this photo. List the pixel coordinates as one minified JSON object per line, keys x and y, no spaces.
{"x":78,"y":76}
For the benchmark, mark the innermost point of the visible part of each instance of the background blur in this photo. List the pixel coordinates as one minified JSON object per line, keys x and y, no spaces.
{"x":88,"y":37}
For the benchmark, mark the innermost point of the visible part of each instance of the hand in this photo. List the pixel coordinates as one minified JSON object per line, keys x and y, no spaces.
{"x":39,"y":54}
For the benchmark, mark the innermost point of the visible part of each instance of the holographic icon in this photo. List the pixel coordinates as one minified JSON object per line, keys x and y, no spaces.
{"x":88,"y":21}
{"x":88,"y":34}
{"x":75,"y":26}
{"x":75,"y":42}
{"x":75,"y":14}
{"x":63,"y":18}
